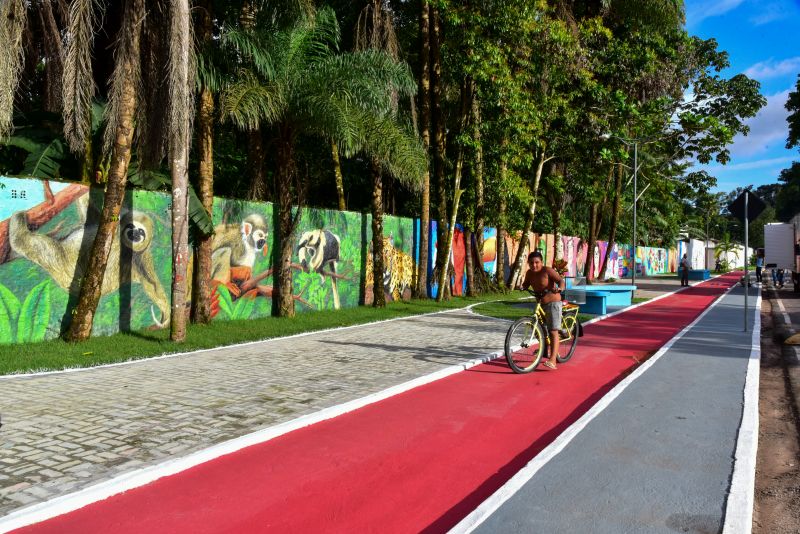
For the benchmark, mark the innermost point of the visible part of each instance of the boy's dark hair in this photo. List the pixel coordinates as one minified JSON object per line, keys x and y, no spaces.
{"x":535,"y":254}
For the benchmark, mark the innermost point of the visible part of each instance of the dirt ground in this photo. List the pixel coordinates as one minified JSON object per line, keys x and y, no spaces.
{"x":777,"y":495}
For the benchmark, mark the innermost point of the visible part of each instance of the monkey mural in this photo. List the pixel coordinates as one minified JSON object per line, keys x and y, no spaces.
{"x":234,"y":249}
{"x":317,"y":250}
{"x":66,"y":263}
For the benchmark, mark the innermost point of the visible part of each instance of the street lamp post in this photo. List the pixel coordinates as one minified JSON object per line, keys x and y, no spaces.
{"x":635,"y":202}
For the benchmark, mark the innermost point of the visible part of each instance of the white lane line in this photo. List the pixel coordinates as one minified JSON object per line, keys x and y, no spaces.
{"x":741,"y":497}
{"x":103,"y":490}
{"x":134,"y":361}
{"x":505,"y":492}
{"x":224,"y":347}
{"x":127,"y":481}
{"x":786,"y":318}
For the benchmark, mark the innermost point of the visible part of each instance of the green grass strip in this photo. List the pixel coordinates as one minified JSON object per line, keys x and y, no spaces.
{"x":512,"y":309}
{"x":57,"y":354}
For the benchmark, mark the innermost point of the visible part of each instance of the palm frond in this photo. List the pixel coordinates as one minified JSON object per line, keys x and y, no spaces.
{"x":372,"y":79}
{"x":181,"y":78}
{"x":45,"y":154}
{"x":247,"y":102}
{"x":128,"y":66}
{"x":13,"y":14}
{"x":78,"y":82}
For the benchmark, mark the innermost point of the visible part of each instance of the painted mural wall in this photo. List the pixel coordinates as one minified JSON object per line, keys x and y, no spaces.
{"x":46,"y":231}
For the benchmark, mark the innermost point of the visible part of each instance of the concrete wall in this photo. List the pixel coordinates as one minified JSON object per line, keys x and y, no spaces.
{"x":46,"y":230}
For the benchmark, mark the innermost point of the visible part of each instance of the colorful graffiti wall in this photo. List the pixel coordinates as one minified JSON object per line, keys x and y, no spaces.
{"x":47,"y":228}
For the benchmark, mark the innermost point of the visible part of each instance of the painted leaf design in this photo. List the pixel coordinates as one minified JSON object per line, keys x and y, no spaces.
{"x":225,"y":303}
{"x":35,"y":314}
{"x":244,"y":308}
{"x":10,"y":301}
{"x":5,"y":324}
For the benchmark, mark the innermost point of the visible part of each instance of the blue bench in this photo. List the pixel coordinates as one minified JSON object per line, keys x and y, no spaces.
{"x":697,"y":274}
{"x":596,"y":302}
{"x":600,"y":297}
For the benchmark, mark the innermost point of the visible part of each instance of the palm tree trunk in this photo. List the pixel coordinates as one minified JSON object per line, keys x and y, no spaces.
{"x":182,"y":90}
{"x":255,"y":166}
{"x":519,"y":262}
{"x":378,"y":296}
{"x":612,"y":236}
{"x":425,"y":132}
{"x":92,"y":284}
{"x":337,"y":171}
{"x":282,"y":294}
{"x":201,"y":279}
{"x":442,"y":261}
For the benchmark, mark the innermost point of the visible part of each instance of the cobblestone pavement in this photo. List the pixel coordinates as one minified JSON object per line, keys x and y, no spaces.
{"x":64,"y":432}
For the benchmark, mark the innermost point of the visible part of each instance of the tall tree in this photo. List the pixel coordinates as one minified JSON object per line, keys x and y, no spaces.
{"x":297,"y":83}
{"x":201,"y":278}
{"x":122,"y":109}
{"x":425,"y":132}
{"x":181,"y":115}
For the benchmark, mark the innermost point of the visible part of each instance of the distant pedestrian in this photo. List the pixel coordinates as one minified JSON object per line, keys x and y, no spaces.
{"x":759,"y":267}
{"x":780,"y":279}
{"x":684,"y":271}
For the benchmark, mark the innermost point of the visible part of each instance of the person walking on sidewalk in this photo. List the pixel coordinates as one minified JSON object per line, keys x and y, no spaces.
{"x":759,"y":267}
{"x":684,"y":271}
{"x":547,"y":284}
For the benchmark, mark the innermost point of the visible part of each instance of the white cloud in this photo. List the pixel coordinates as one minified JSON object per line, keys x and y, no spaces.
{"x":768,"y":13}
{"x":697,"y":12}
{"x":749,"y":165}
{"x":772,"y":69}
{"x":766,"y":128}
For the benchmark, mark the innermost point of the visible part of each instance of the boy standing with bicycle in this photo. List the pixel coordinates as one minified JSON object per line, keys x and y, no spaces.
{"x":547,"y":285}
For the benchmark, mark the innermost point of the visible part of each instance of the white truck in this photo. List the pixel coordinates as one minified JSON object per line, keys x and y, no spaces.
{"x":782,"y":249}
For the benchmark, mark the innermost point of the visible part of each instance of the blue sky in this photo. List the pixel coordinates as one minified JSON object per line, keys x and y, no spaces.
{"x":762,"y":38}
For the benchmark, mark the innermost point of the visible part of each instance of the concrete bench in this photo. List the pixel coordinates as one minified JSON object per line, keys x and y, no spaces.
{"x":600,"y":297}
{"x":596,"y":302}
{"x":697,"y":274}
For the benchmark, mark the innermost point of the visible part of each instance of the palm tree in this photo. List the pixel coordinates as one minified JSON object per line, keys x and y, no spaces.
{"x":181,"y":115}
{"x":292,"y":80}
{"x":119,"y":140}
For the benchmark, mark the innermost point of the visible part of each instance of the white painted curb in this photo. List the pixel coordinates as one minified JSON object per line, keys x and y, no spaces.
{"x":741,"y":498}
{"x":505,"y":492}
{"x":103,"y":490}
{"x":223,"y":347}
{"x":128,"y":481}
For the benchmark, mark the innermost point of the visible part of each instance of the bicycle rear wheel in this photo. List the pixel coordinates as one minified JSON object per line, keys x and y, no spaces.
{"x":568,"y":342}
{"x":524,"y":345}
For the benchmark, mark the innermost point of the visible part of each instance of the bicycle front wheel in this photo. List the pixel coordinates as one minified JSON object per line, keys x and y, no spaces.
{"x":568,"y":338}
{"x":524,"y":345}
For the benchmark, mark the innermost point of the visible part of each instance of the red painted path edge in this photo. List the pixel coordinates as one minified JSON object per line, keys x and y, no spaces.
{"x":416,"y":462}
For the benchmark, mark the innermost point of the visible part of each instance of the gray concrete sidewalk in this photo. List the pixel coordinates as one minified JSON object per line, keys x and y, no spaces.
{"x":659,"y":458}
{"x":64,"y":432}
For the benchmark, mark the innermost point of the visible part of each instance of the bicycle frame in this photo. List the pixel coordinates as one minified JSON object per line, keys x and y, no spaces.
{"x":569,"y":316}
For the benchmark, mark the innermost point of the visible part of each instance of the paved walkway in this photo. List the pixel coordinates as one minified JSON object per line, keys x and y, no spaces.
{"x":66,"y":431}
{"x":659,"y":458}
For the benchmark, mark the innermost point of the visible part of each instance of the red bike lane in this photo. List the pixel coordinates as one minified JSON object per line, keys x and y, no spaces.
{"x":417,"y":462}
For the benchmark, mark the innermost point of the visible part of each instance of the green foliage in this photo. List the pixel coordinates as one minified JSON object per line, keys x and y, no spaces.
{"x":787,"y":201}
{"x":57,"y":354}
{"x":30,"y":319}
{"x":793,"y":107}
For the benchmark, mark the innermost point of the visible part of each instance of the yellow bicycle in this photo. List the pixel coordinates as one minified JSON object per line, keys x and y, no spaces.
{"x":527,"y":339}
